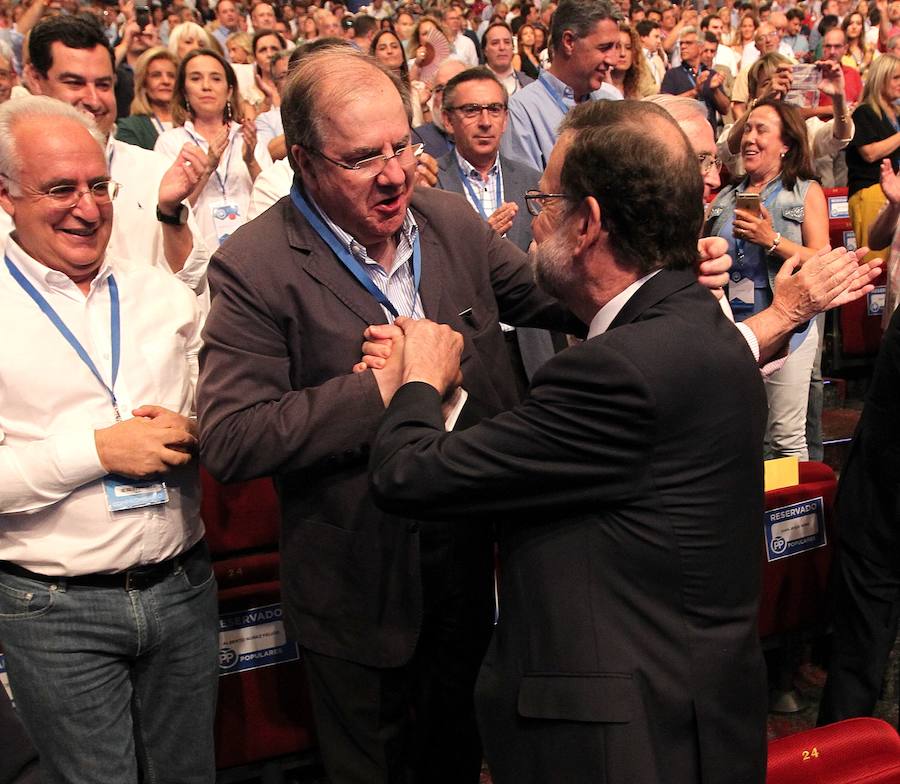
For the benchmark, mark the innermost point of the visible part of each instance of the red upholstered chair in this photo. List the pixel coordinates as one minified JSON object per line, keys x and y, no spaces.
{"x":855,"y":751}
{"x":264,"y":713}
{"x":794,"y":588}
{"x":239,"y":517}
{"x":858,"y":333}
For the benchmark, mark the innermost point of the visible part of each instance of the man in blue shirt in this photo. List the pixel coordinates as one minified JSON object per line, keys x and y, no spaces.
{"x":583,"y":39}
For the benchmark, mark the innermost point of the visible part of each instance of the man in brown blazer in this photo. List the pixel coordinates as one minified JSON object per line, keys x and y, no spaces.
{"x":393,"y":618}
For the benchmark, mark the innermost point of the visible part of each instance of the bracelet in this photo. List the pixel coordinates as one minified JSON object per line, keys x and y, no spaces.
{"x":774,"y":244}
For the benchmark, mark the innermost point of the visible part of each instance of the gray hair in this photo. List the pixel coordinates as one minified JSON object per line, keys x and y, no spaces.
{"x":680,"y":108}
{"x":580,"y":17}
{"x":14,"y":112}
{"x":689,"y":29}
{"x":301,"y":109}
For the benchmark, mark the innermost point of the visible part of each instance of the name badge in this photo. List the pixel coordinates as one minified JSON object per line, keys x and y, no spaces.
{"x":741,"y":293}
{"x":226,"y":219}
{"x":123,"y":492}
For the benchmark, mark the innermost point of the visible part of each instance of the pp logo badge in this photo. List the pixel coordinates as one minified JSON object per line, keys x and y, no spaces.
{"x":228,"y":658}
{"x":778,"y":544}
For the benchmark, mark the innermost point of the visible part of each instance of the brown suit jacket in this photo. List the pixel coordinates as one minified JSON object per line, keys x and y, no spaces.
{"x":277,"y":397}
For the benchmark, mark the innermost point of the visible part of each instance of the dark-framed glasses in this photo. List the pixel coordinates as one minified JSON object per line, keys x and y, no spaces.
{"x":536,"y":200}
{"x":374,"y":165}
{"x":64,"y":197}
{"x":707,"y":162}
{"x":470,"y":111}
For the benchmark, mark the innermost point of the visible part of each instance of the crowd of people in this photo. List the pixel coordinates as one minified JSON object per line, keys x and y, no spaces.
{"x":590,"y":240}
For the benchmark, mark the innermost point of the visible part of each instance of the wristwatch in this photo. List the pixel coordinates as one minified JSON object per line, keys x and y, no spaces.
{"x":178,"y":219}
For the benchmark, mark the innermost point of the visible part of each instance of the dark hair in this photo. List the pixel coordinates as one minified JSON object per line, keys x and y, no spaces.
{"x":709,"y":38}
{"x":704,"y":22}
{"x":479,"y":74}
{"x":180,"y":110}
{"x":82,"y":31}
{"x":259,"y":34}
{"x":645,"y":179}
{"x":846,"y":23}
{"x":645,"y":27}
{"x":363,"y":25}
{"x":491,"y":26}
{"x":829,"y":22}
{"x":795,"y":13}
{"x":579,"y":17}
{"x":404,"y":66}
{"x":797,"y":161}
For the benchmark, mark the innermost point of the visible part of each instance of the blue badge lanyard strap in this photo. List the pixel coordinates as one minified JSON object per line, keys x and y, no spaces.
{"x":473,"y":193}
{"x":553,"y":94}
{"x":114,"y":328}
{"x":740,"y":244}
{"x":690,"y":73}
{"x":222,"y":182}
{"x":346,"y":258}
{"x":158,"y":123}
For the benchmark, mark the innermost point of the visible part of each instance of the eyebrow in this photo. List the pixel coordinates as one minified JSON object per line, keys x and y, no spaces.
{"x":371,"y":152}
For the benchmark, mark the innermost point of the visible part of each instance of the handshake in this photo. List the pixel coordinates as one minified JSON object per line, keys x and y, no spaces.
{"x":412,"y":350}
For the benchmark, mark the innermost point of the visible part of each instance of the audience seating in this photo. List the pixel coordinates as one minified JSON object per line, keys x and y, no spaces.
{"x":794,"y":588}
{"x":855,"y":751}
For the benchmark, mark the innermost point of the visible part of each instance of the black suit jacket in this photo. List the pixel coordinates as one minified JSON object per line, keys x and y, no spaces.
{"x":630,"y":487}
{"x":277,"y":397}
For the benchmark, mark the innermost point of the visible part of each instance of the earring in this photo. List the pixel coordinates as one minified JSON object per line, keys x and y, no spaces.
{"x":228,"y":112}
{"x":188,"y":108}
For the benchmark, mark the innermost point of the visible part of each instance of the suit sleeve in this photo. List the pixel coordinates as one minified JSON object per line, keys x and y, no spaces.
{"x":582,"y":435}
{"x":253,"y":421}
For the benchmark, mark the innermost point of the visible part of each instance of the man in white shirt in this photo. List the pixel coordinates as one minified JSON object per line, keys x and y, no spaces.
{"x":107,"y":598}
{"x":497,"y":43}
{"x":71,"y":61}
{"x":464,"y":48}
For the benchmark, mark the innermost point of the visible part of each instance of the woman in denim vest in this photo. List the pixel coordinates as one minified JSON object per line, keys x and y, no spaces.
{"x":792,"y":220}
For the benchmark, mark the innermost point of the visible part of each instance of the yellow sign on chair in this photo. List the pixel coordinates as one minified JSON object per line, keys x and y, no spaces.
{"x":782,"y":472}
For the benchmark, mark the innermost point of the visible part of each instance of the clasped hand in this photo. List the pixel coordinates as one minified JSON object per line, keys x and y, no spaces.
{"x":412,"y":350}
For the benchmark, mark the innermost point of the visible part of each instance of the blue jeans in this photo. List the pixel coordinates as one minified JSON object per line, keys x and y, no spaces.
{"x":109,"y":682}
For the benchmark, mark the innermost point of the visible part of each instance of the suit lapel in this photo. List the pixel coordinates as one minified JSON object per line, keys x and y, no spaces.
{"x":318,"y":260}
{"x":662,"y":285}
{"x":431,"y":286}
{"x":449,"y":173}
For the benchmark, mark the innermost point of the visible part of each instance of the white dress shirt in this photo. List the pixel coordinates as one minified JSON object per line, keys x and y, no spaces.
{"x":230,"y":184}
{"x":53,"y":511}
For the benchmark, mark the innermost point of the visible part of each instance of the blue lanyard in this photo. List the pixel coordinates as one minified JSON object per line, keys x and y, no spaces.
{"x":475,"y":198}
{"x":231,"y":139}
{"x":553,"y":94}
{"x":353,"y":265}
{"x":114,"y":324}
{"x":690,"y":74}
{"x":162,"y":128}
{"x":739,"y":242}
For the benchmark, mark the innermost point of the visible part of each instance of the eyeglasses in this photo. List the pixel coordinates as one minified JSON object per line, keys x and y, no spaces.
{"x":689,"y":43}
{"x":64,"y":197}
{"x":372,"y":167}
{"x":536,"y":201}
{"x":707,"y":162}
{"x":470,"y":111}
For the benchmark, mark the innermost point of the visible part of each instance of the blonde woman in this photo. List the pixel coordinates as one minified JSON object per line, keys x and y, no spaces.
{"x":877,"y":137}
{"x":151,"y":109}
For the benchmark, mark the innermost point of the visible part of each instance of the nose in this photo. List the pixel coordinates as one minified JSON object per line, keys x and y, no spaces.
{"x":393,"y":174}
{"x":89,"y":96}
{"x":86,"y":207}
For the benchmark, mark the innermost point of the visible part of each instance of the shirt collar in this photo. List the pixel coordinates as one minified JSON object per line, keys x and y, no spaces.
{"x":471,"y":172}
{"x":559,"y":85}
{"x":49,"y":279}
{"x":607,"y":314}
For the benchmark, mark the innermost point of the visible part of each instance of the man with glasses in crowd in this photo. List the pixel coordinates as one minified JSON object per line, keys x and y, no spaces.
{"x":393,"y":618}
{"x":768,"y":40}
{"x":108,"y":610}
{"x":434,"y":135}
{"x":475,"y":110}
{"x":693,"y":79}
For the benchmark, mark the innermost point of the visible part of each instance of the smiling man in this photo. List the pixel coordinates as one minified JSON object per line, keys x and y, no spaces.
{"x":107,"y":601}
{"x":393,"y":618}
{"x":583,"y":39}
{"x":71,"y":61}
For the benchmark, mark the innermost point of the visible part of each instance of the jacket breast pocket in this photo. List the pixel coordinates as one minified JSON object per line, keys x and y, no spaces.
{"x":597,"y":697}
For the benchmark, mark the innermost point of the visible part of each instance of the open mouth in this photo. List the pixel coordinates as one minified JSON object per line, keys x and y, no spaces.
{"x":81,"y":232}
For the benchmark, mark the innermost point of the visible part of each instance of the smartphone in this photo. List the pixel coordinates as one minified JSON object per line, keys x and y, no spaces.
{"x":748,"y":202}
{"x":142,"y":16}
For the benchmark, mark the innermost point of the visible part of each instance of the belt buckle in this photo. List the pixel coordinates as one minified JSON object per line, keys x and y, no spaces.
{"x":139,"y":579}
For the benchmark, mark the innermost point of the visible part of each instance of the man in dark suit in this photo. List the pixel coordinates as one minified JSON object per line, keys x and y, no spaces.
{"x":393,"y":620}
{"x":474,"y":110}
{"x":628,"y":484}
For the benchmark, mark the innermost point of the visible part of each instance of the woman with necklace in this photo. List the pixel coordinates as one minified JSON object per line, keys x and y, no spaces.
{"x":789,"y":219}
{"x":877,"y":137}
{"x":860,"y":53}
{"x":206,"y":113}
{"x":151,"y":109}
